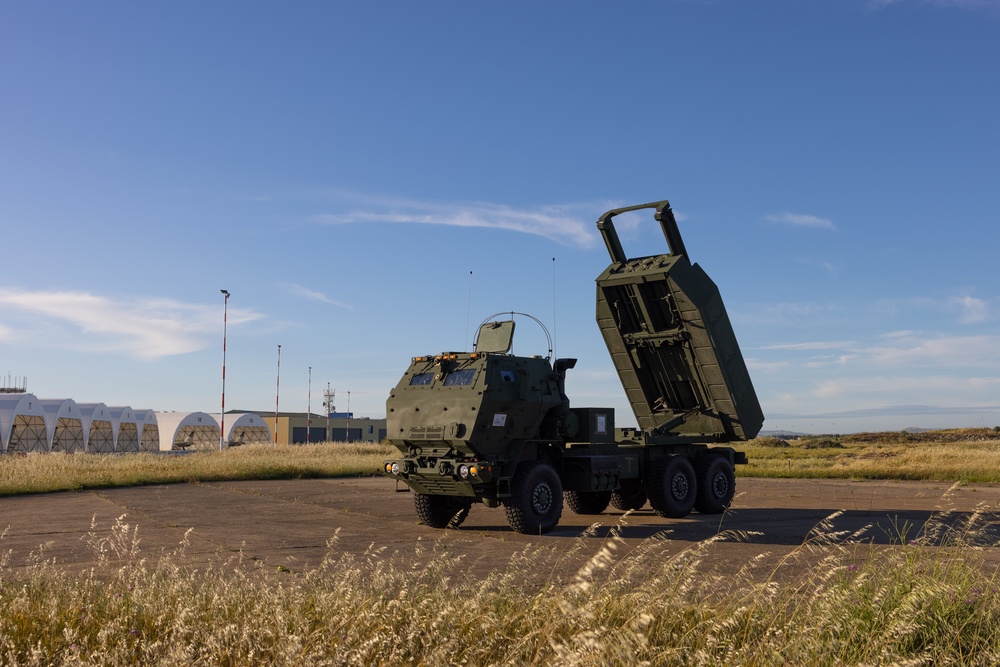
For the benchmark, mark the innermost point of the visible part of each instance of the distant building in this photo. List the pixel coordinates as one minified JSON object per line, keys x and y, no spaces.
{"x":292,"y":427}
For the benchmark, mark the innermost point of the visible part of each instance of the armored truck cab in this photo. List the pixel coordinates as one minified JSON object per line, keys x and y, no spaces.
{"x":492,"y":427}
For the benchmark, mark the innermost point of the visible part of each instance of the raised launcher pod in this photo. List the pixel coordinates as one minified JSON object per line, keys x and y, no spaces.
{"x":671,"y":341}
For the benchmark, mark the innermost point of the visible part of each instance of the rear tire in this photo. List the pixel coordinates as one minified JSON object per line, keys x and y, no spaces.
{"x":630,"y":497}
{"x":587,"y":502}
{"x":672,"y":486}
{"x":536,"y":499}
{"x":441,"y":511}
{"x":716,"y":484}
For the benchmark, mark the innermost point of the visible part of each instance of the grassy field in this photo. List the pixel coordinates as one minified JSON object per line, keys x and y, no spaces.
{"x":963,"y":455}
{"x":927,"y":600}
{"x":38,"y":473}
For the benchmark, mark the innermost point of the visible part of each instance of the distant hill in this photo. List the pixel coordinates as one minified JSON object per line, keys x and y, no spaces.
{"x":781,"y":434}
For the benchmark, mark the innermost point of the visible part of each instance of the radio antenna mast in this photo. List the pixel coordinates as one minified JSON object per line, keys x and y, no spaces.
{"x":555,"y":330}
{"x":468,"y":313}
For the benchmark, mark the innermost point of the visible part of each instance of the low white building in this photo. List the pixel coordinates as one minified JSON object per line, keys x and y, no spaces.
{"x":63,"y":425}
{"x":22,"y":423}
{"x":187,"y":431}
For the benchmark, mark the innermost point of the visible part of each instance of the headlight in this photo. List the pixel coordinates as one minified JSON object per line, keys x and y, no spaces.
{"x":463,"y":471}
{"x":394,"y":468}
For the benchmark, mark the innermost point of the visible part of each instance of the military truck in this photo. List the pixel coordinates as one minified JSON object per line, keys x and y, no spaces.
{"x":491,"y":427}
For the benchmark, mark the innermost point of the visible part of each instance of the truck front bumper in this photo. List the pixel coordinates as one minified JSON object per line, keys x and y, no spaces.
{"x":441,"y":476}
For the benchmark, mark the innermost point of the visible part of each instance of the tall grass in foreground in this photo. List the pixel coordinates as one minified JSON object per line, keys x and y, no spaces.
{"x":60,"y":471}
{"x":832,"y":601}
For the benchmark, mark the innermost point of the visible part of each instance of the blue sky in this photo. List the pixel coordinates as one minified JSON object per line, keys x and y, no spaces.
{"x":341,"y":168}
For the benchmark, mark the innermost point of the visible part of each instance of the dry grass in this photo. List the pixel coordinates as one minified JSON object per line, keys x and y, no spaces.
{"x":966,"y":455}
{"x":38,"y":473}
{"x":928,"y":599}
{"x":917,"y":603}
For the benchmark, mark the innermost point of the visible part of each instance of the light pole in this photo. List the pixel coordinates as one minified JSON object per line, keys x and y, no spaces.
{"x":328,"y":404}
{"x":348,"y":416}
{"x":309,"y":406}
{"x":225,"y":312}
{"x":277,"y":387}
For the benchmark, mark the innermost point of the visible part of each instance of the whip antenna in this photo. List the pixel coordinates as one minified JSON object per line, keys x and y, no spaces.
{"x":555,"y":330}
{"x":468,"y":313}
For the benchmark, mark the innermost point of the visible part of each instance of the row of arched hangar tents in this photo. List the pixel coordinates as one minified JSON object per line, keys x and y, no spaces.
{"x":30,"y":424}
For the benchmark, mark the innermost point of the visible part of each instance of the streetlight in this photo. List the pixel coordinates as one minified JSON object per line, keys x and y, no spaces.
{"x":225,"y":312}
{"x":277,"y":386}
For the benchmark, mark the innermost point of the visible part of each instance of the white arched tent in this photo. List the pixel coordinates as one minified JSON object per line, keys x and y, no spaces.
{"x":22,"y":423}
{"x":187,"y":431}
{"x":98,"y":433}
{"x":63,"y":425}
{"x":125,"y":428}
{"x":245,"y":428}
{"x":149,"y":431}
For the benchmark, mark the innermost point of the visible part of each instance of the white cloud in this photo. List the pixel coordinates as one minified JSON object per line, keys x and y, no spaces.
{"x":774,"y":315}
{"x":146,"y":328}
{"x":798,"y":220}
{"x":765,"y":366}
{"x":561,"y":223}
{"x":313,"y":295}
{"x":827,"y":266}
{"x":811,"y":345}
{"x":964,"y":351}
{"x":972,"y":309}
{"x":941,"y":388}
{"x":900,"y":348}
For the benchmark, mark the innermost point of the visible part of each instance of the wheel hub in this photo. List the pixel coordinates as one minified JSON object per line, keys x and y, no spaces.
{"x":720,"y":485}
{"x":541,"y":498}
{"x":679,"y":486}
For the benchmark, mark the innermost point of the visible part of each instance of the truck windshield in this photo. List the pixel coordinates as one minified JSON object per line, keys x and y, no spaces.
{"x":460,"y":378}
{"x":421,"y":379}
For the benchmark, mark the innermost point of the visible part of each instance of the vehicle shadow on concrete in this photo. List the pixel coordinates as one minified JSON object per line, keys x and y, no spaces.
{"x":785,"y":527}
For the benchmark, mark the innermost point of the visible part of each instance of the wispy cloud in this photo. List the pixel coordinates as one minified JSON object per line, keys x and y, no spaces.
{"x":799,"y":220}
{"x":827,"y":266}
{"x":146,"y":328}
{"x":567,"y":224}
{"x":894,"y":411}
{"x":963,"y":351}
{"x":924,"y":386}
{"x":971,"y":309}
{"x":313,"y":295}
{"x":811,"y":345}
{"x":899,"y":348}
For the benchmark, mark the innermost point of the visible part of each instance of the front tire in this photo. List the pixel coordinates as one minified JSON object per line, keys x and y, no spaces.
{"x":536,"y":499}
{"x":441,"y":511}
{"x":672,"y":486}
{"x":587,"y":502}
